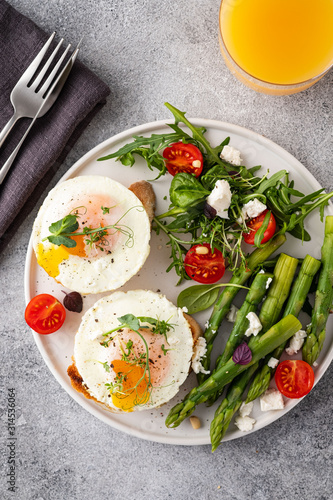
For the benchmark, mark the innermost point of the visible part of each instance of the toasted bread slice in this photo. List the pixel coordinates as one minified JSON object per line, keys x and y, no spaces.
{"x":144,"y":191}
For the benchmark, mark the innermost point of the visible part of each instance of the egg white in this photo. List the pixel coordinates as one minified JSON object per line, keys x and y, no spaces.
{"x":96,"y":271}
{"x":90,"y":355}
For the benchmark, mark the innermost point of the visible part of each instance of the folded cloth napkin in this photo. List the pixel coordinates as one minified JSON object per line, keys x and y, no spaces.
{"x":52,"y":135}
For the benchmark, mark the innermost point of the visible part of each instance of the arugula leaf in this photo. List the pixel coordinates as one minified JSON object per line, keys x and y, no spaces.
{"x":261,"y":231}
{"x":271,"y":182}
{"x":149,"y":149}
{"x":183,"y":223}
{"x":153,"y":161}
{"x":310,"y":197}
{"x":255,"y":169}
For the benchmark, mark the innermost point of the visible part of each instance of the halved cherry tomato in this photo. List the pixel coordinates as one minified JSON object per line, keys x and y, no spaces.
{"x":45,"y":314}
{"x":204,"y":265}
{"x":255,"y":224}
{"x":294,"y":378}
{"x":183,"y":158}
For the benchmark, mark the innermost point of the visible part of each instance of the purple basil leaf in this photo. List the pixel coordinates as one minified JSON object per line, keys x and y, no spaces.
{"x":242,"y":355}
{"x":73,"y":301}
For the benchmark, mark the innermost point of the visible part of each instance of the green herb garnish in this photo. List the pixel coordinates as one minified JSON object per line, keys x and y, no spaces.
{"x":65,"y":229}
{"x":158,"y":327}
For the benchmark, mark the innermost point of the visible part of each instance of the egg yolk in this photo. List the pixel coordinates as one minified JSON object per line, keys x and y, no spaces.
{"x":136,"y":389}
{"x":135,"y":385}
{"x":50,"y":257}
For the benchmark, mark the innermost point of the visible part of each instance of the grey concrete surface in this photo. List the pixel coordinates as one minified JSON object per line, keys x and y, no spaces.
{"x":150,"y":52}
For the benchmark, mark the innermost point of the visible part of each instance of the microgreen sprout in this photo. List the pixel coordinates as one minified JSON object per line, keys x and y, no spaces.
{"x":164,"y":349}
{"x":64,"y":229}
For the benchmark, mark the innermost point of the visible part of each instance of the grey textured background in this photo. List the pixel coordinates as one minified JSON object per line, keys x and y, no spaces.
{"x":150,"y":52}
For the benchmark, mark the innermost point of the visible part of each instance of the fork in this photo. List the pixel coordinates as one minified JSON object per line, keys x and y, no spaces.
{"x":26,"y":97}
{"x":47,"y":101}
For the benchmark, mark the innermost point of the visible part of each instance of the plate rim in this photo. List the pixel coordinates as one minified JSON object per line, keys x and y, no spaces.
{"x":97,"y":151}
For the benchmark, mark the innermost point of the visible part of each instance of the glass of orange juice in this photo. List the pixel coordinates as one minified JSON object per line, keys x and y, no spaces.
{"x":277,"y":47}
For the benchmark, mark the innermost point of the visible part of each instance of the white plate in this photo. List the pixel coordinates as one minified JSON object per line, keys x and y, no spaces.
{"x":57,"y":349}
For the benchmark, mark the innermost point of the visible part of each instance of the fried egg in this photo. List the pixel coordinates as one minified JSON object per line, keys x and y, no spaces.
{"x":95,"y":264}
{"x":129,"y":370}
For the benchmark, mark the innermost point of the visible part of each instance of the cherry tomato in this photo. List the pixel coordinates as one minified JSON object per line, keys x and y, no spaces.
{"x":45,"y":314}
{"x":255,"y":223}
{"x":294,"y":378}
{"x":183,"y":158}
{"x":204,"y":265}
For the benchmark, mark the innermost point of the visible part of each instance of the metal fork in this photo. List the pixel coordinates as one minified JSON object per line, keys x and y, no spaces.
{"x":24,"y":97}
{"x":47,"y":101}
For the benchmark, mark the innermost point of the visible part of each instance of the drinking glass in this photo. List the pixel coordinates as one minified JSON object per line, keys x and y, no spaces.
{"x":277,"y":47}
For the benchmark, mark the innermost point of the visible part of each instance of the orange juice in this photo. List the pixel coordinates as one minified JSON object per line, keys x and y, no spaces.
{"x":282,"y":42}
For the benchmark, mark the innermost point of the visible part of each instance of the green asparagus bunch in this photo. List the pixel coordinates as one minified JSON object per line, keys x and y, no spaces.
{"x":299,"y":292}
{"x":323,"y":299}
{"x":259,"y":346}
{"x":284,"y":272}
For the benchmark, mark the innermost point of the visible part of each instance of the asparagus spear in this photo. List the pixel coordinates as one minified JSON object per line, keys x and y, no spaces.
{"x":283,"y":276}
{"x":229,"y":406}
{"x":323,"y":299}
{"x":223,"y":303}
{"x":252,"y":300}
{"x":251,"y":303}
{"x":278,"y":292}
{"x":299,"y":292}
{"x":260,"y":347}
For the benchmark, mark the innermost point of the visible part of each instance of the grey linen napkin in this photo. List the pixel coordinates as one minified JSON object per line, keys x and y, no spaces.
{"x":53,"y":135}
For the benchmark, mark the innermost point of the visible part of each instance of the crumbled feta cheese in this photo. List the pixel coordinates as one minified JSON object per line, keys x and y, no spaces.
{"x":184,"y":309}
{"x":246,"y":409}
{"x":230,"y":236}
{"x":220,"y":198}
{"x":252,"y":209}
{"x":254,"y":325}
{"x":296,"y":342}
{"x":245,"y":424}
{"x":199,"y":351}
{"x":261,"y":271}
{"x":231,"y":155}
{"x":268,"y":282}
{"x":271,"y":400}
{"x":231,"y":316}
{"x":272,"y":363}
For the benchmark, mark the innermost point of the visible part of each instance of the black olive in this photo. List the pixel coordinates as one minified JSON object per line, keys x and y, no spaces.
{"x":209,"y":211}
